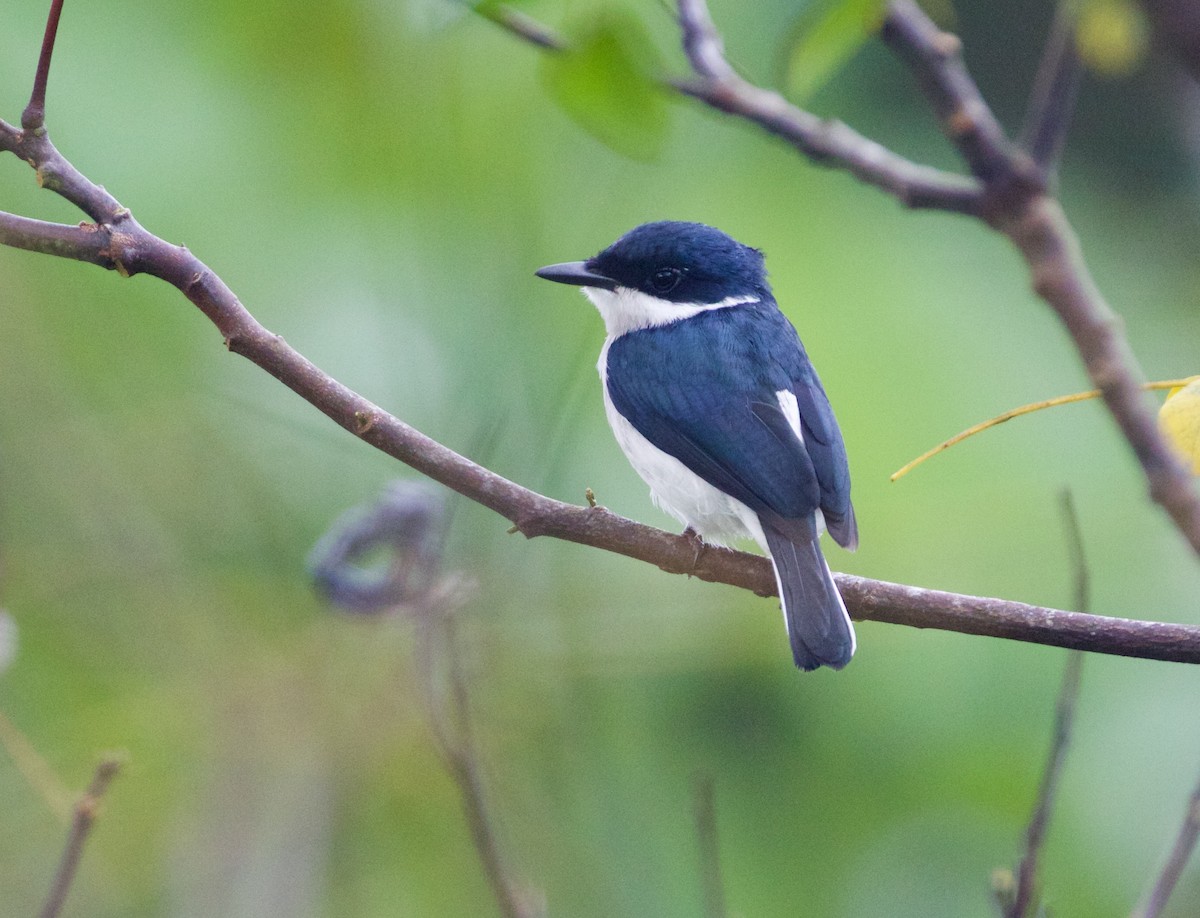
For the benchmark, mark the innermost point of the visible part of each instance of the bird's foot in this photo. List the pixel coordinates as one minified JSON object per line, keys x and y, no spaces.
{"x":698,"y":544}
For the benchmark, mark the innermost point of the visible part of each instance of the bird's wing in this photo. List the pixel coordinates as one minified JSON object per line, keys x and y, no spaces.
{"x":823,"y":438}
{"x":705,"y":392}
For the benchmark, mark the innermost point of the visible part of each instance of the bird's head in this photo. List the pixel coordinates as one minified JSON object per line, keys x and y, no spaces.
{"x":663,"y":272}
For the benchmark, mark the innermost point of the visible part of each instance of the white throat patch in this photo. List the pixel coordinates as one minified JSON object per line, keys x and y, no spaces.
{"x":625,"y":310}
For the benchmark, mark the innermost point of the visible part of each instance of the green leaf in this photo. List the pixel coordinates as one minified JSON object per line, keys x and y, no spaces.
{"x":827,"y":37}
{"x":607,"y":83}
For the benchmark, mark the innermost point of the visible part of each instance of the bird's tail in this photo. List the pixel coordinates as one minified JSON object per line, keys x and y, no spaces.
{"x":817,"y":622}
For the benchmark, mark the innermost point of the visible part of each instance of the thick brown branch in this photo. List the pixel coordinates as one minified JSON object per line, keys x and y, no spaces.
{"x":876,"y":600}
{"x":1010,"y":194}
{"x":936,"y":59}
{"x":1040,"y":230}
{"x":824,"y":141}
{"x":833,"y":143}
{"x":120,"y":242}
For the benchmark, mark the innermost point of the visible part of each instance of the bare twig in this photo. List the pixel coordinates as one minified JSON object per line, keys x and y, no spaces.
{"x":408,"y":522}
{"x":1064,"y":716}
{"x":450,"y":721}
{"x":35,"y":769}
{"x":1019,"y":207}
{"x":875,"y":600}
{"x":702,"y":43}
{"x":86,"y":810}
{"x":1008,"y":191}
{"x":824,"y":141}
{"x":35,"y":112}
{"x":1181,"y":853}
{"x":115,"y":240}
{"x":710,"y":852}
{"x":522,"y":25}
{"x":136,"y":250}
{"x":935,"y":57}
{"x":1054,"y":89}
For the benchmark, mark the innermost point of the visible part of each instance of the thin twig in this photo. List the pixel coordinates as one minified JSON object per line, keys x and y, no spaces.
{"x":35,"y":769}
{"x":1064,"y":717}
{"x":710,"y":852}
{"x":825,"y":141}
{"x":522,"y":25}
{"x":86,"y":811}
{"x":450,"y":722}
{"x":935,"y":57}
{"x":34,"y":115}
{"x":1181,"y":853}
{"x":1055,"y":87}
{"x":702,"y":43}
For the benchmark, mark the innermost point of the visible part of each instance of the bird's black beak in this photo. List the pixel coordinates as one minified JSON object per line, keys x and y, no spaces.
{"x":577,"y":274}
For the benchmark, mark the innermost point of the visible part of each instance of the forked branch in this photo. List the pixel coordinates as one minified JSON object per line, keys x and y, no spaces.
{"x":115,"y":240}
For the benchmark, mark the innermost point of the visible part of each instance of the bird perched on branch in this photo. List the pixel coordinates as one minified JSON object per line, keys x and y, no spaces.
{"x":714,"y":401}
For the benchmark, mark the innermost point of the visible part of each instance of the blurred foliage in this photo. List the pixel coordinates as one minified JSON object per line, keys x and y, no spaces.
{"x":377,"y":181}
{"x":1112,"y":36}
{"x":607,"y":82}
{"x":826,"y":37}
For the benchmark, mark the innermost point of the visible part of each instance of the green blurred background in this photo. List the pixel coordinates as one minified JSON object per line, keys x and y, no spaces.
{"x":377,"y":179}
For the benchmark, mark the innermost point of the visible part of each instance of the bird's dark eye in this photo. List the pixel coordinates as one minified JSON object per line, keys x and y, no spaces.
{"x":664,"y":280}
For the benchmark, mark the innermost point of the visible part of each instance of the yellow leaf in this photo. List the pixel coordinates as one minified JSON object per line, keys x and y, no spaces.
{"x":1112,"y":37}
{"x":1179,"y":419}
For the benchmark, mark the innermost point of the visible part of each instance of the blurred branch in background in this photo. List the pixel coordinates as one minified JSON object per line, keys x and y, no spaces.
{"x":1052,"y":101}
{"x":1026,"y":894}
{"x":86,"y":810}
{"x":35,"y":769}
{"x":1176,"y":25}
{"x":116,"y":241}
{"x":704,"y":804}
{"x":1181,"y":853}
{"x":384,"y":558}
{"x":29,"y":762}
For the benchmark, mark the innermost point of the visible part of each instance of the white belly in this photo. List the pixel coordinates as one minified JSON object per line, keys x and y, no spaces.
{"x":676,"y":489}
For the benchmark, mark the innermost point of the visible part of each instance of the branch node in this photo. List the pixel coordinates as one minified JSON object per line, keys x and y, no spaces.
{"x":364,"y":421}
{"x":947,"y":45}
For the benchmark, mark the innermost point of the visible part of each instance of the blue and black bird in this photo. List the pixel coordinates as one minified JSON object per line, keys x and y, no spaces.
{"x":715,"y":403}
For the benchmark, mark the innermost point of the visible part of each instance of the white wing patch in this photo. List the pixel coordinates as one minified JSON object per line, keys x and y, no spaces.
{"x":791,"y":411}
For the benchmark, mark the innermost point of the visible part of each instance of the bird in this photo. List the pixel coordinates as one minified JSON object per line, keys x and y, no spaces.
{"x":712,"y":397}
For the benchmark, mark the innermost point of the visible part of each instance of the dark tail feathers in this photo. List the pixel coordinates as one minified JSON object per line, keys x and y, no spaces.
{"x":817,"y":623}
